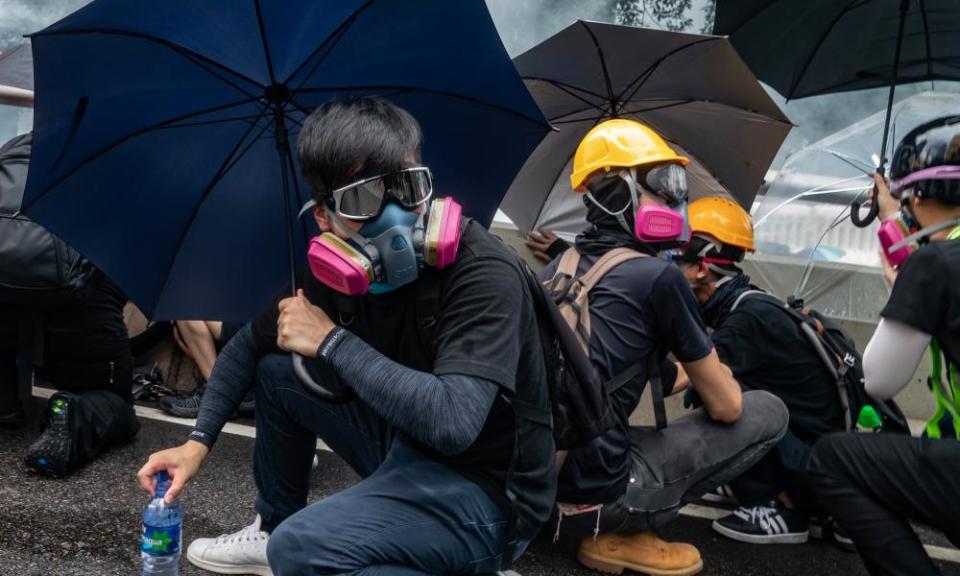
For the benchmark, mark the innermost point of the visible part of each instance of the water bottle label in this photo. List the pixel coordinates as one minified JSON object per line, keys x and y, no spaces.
{"x":163,"y":541}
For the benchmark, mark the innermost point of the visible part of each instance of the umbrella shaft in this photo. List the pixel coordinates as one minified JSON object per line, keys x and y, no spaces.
{"x":904,"y":7}
{"x":283,"y":150}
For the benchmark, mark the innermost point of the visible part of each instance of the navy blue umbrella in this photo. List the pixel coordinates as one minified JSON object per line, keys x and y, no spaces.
{"x":164,"y":128}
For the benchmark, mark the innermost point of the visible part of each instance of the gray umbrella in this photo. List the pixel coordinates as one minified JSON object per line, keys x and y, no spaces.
{"x":16,"y":67}
{"x":16,"y":76}
{"x":692,"y":89}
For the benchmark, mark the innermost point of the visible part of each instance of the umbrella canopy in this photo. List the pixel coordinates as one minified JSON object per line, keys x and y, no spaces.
{"x":693,"y":90}
{"x":16,"y":76}
{"x":16,"y":67}
{"x":808,"y":47}
{"x":164,"y":128}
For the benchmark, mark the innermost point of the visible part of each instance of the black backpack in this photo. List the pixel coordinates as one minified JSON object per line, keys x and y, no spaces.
{"x":838,"y":352}
{"x":579,"y":396}
{"x":37,"y":269}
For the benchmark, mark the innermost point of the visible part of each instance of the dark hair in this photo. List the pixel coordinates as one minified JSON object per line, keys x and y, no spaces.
{"x":346,"y":140}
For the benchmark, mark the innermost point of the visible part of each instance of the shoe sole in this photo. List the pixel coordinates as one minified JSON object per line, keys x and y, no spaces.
{"x":793,"y":538}
{"x":228,"y":568}
{"x":718,"y":499}
{"x":608,"y":566}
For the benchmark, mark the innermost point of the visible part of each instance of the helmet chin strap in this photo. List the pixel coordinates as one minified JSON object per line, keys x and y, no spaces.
{"x":728,"y":275}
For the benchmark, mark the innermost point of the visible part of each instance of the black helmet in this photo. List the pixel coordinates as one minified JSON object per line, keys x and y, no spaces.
{"x":936,"y":143}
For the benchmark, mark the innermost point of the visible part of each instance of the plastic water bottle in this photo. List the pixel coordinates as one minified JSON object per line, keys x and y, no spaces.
{"x":160,"y":536}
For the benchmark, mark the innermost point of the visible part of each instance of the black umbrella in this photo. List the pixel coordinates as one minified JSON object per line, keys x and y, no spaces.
{"x":692,"y":89}
{"x":811,"y":47}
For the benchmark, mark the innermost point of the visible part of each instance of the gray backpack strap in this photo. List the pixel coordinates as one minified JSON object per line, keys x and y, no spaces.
{"x":747,"y":293}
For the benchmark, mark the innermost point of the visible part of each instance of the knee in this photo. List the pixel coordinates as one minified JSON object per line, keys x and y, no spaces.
{"x":826,"y":457}
{"x":285,"y":553}
{"x":766,"y":413}
{"x":272,"y":370}
{"x":298,"y":547}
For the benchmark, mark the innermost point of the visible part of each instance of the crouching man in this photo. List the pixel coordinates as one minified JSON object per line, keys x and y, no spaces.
{"x":431,"y":332}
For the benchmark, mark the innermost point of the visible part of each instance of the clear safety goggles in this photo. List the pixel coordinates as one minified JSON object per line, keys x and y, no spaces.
{"x":669,"y":181}
{"x":364,"y":199}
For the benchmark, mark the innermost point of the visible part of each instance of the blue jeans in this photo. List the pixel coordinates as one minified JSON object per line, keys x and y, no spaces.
{"x":410,"y":515}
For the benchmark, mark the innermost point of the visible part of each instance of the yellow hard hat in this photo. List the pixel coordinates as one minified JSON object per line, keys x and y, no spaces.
{"x":724,"y":220}
{"x":619,"y":143}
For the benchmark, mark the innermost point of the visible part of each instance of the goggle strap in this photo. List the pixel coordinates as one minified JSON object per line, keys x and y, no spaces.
{"x":948,"y":172}
{"x":306,"y":207}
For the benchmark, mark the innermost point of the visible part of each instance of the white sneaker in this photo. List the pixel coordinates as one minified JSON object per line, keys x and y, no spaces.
{"x":243,"y":552}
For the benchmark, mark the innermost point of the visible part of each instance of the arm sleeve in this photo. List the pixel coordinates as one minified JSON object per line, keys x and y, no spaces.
{"x":232,"y":377}
{"x":446,"y":413}
{"x":679,"y":324}
{"x":892,"y":357}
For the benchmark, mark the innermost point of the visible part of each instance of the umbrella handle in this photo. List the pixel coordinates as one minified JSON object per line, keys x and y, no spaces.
{"x":870,"y":217}
{"x":321,"y":392}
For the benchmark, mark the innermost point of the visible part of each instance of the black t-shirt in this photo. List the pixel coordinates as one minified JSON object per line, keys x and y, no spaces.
{"x":642,"y":307}
{"x":766,"y":350}
{"x":926,"y":295}
{"x":486,"y":328}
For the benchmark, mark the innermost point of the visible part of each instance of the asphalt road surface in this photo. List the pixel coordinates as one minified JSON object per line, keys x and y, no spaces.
{"x":88,"y":524}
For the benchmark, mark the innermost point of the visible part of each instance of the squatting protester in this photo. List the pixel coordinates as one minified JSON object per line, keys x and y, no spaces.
{"x":766,"y":350}
{"x":876,"y":484}
{"x":641,"y":309}
{"x":423,"y":320}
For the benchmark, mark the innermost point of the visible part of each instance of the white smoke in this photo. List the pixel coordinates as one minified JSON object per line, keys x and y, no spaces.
{"x":525,"y":23}
{"x":20,"y":17}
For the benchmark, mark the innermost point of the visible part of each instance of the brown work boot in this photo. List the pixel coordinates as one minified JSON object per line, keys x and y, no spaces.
{"x":642,"y":552}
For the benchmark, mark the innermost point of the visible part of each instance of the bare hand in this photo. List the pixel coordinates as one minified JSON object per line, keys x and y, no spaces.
{"x":881,"y":193}
{"x":539,"y":241}
{"x":181,"y":463}
{"x":302,"y":327}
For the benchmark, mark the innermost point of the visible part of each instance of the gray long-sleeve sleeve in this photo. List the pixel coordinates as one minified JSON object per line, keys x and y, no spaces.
{"x":445,"y":413}
{"x":232,"y":377}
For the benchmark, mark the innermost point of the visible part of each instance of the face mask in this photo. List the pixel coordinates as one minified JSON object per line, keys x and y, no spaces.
{"x":891,"y":233}
{"x":654,"y":223}
{"x":389,"y":251}
{"x":660,"y":225}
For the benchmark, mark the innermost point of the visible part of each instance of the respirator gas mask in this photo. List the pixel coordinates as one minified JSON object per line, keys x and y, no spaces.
{"x":654,"y":224}
{"x":398,"y":237}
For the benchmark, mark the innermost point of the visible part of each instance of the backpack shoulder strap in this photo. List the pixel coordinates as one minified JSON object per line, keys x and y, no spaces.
{"x":569,"y":262}
{"x":748,"y":293}
{"x":605,"y":264}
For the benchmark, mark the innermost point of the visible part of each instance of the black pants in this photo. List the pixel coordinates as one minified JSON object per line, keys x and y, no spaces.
{"x":782,"y":469}
{"x":873,"y":484}
{"x":86,"y":355}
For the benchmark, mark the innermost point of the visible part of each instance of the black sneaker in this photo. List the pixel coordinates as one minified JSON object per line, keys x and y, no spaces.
{"x":771,"y":524}
{"x":184,"y":405}
{"x":828,"y":529}
{"x":50,"y":455}
{"x":188,"y":405}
